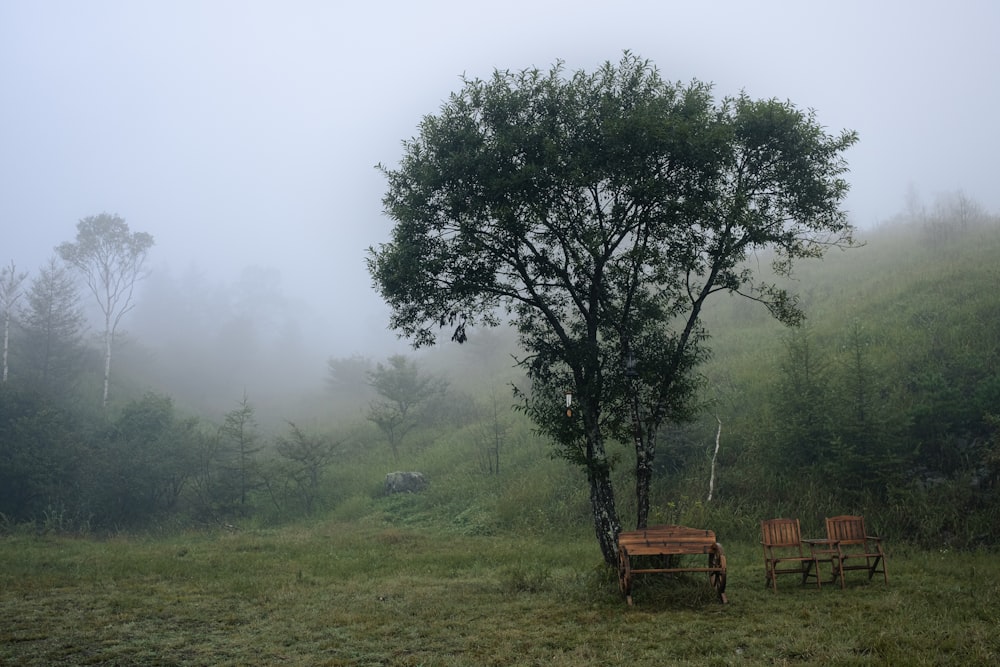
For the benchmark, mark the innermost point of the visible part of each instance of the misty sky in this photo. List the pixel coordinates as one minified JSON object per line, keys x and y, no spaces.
{"x":245,"y":133}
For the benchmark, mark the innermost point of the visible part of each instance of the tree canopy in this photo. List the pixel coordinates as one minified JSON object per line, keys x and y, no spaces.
{"x":596,"y":212}
{"x":403,"y":390}
{"x":110,"y":257}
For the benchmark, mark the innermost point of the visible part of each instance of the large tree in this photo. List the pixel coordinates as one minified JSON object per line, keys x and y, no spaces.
{"x":110,"y":257}
{"x":598,"y":212}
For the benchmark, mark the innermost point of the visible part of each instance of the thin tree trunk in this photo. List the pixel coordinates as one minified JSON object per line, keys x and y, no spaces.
{"x":108,"y":336}
{"x":645,"y":452}
{"x":715,"y":455}
{"x":6,"y":343}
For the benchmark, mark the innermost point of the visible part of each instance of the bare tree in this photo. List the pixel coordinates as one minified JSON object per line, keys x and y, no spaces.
{"x":110,"y":258}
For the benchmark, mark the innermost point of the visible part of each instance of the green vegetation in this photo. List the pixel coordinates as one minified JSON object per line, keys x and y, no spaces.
{"x":377,"y":591}
{"x":885,"y":403}
{"x":886,"y":400}
{"x":143,"y":535}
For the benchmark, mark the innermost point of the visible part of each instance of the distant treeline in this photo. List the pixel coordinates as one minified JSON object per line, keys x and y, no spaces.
{"x":886,"y":402}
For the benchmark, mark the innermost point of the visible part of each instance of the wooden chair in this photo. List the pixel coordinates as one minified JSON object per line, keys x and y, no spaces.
{"x":852,"y":544}
{"x":784,"y":553}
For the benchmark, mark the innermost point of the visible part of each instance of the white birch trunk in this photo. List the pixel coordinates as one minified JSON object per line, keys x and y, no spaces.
{"x":108,"y":337}
{"x":715,"y":455}
{"x":6,"y":344}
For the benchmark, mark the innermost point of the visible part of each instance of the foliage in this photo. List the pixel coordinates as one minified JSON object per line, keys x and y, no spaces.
{"x":141,"y":465}
{"x":239,"y":448}
{"x":883,"y":403}
{"x":53,"y":324}
{"x":306,"y":458}
{"x":403,"y":392}
{"x":40,"y":455}
{"x":599,"y":212}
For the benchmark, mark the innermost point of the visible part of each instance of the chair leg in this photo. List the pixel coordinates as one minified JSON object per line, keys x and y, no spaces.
{"x":813,"y":566}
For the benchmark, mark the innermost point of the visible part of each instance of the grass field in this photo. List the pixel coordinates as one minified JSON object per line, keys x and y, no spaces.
{"x":374,"y":594}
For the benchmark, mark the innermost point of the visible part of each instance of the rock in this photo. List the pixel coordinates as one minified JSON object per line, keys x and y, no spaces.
{"x":405,"y":482}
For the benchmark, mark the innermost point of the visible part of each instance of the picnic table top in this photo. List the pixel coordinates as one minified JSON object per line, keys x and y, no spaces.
{"x":667,"y":532}
{"x":667,"y":539}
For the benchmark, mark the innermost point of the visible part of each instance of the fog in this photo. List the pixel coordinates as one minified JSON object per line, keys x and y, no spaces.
{"x":243,"y":135}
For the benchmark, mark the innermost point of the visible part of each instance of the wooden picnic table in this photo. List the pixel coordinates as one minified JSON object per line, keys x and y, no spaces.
{"x":668,"y":541}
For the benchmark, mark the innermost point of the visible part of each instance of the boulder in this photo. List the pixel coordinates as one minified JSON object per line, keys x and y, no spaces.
{"x":405,"y":482}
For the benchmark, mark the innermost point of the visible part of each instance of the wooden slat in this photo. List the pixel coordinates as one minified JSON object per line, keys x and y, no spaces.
{"x":670,"y":540}
{"x":667,"y":550}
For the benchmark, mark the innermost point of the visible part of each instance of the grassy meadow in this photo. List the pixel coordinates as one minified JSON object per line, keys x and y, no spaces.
{"x":495,"y":562}
{"x":373,"y":593}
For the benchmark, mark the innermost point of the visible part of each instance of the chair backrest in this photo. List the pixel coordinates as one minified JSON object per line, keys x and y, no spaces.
{"x":846,"y":529}
{"x":781,"y":533}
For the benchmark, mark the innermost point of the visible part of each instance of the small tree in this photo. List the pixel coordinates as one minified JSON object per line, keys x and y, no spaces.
{"x":110,"y":257}
{"x":348,"y":381}
{"x":149,"y":458}
{"x":403,"y":389}
{"x":307,"y":457}
{"x":239,"y":435}
{"x":491,"y":436}
{"x":803,"y":424}
{"x":53,"y":323}
{"x":10,"y":292}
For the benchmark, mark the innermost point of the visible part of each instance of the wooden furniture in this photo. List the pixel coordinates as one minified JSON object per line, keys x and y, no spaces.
{"x":784,"y":552}
{"x":850,"y":544}
{"x":651,"y":550}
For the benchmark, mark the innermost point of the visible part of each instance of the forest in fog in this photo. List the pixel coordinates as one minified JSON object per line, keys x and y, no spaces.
{"x":225,"y":407}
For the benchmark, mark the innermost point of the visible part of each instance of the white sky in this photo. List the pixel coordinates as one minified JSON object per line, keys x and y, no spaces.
{"x":246,"y":133}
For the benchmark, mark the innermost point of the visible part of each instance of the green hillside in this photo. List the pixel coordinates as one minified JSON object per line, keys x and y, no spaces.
{"x":885,"y":400}
{"x":884,"y":403}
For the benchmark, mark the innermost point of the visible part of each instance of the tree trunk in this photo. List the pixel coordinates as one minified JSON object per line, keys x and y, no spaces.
{"x":108,"y":336}
{"x":602,"y":499}
{"x":645,"y":452}
{"x":6,"y":343}
{"x":606,"y":523}
{"x":715,"y":455}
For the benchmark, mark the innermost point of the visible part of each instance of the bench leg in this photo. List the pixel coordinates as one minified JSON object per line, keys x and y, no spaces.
{"x":625,"y":575}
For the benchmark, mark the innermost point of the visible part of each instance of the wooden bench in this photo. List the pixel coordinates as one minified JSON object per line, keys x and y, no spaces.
{"x":666,"y":541}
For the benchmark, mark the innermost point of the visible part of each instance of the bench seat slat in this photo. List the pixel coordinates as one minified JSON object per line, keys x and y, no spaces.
{"x":654,"y":550}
